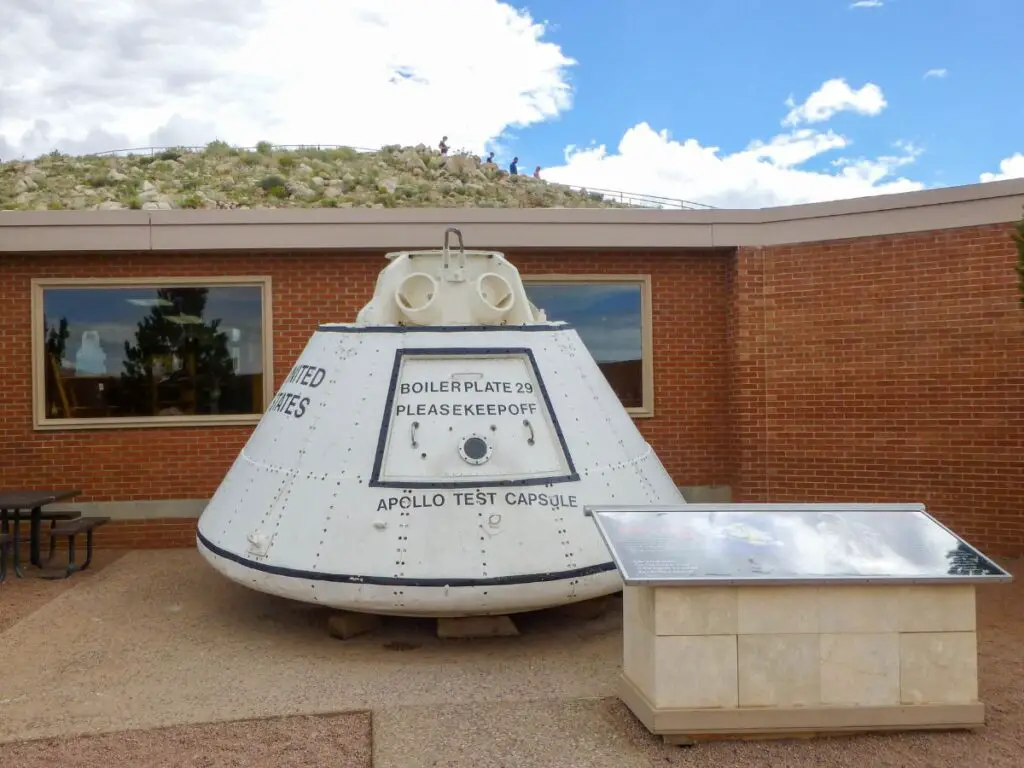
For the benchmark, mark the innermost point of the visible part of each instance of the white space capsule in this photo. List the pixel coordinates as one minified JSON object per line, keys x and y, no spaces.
{"x":434,"y":457}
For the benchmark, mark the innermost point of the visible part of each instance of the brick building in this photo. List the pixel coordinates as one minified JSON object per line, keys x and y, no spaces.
{"x":864,"y":350}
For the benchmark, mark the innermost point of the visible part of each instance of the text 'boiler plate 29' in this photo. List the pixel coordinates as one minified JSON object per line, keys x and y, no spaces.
{"x":434,"y":457}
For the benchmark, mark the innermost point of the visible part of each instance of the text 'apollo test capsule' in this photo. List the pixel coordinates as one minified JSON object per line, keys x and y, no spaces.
{"x":434,"y":457}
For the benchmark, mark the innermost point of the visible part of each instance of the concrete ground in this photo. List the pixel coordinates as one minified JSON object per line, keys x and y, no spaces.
{"x":157,"y":640}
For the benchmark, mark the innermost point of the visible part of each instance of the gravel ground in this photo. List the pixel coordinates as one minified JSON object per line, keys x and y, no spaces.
{"x":999,"y":745}
{"x":337,"y":741}
{"x":489,"y":722}
{"x":602,"y":732}
{"x":20,"y":597}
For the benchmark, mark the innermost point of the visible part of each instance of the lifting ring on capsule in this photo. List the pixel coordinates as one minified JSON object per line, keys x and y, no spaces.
{"x":445,"y":252}
{"x":458,"y":234}
{"x":474,"y":449}
{"x":529,"y":426}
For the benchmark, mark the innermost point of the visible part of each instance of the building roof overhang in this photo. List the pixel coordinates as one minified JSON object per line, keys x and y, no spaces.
{"x":338,"y":229}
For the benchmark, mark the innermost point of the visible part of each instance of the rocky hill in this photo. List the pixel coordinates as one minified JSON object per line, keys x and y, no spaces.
{"x":221,"y":176}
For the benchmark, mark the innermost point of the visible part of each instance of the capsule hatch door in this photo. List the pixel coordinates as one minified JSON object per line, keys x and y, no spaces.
{"x":462,"y":418}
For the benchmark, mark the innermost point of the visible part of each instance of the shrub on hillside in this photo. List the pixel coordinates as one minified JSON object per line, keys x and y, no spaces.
{"x":222,"y":176}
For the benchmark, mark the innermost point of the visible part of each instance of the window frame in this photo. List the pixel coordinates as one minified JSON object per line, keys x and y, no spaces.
{"x":40,"y":421}
{"x":646,"y":411}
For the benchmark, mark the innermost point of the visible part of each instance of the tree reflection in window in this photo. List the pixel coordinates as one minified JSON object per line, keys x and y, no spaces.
{"x":135,"y":352}
{"x":176,"y":348}
{"x":965,"y":562}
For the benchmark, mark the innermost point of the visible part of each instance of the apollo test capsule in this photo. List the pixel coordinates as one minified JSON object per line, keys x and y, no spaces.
{"x":434,"y":457}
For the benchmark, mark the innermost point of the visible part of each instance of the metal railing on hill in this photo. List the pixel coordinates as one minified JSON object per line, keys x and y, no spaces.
{"x":194,"y":148}
{"x":638,"y":198}
{"x":615,"y":195}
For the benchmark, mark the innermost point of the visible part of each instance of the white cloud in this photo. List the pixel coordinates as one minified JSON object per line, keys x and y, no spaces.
{"x":867,"y":4}
{"x":763,"y":174}
{"x":936,"y":73}
{"x":1010,"y":168}
{"x":93,"y":75}
{"x":836,"y":96}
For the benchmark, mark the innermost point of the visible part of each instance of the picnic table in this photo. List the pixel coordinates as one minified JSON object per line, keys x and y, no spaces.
{"x":15,"y":505}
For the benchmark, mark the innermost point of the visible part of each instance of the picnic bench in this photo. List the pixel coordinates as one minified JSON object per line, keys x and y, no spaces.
{"x":65,"y":523}
{"x":70,"y":529}
{"x":6,"y":540}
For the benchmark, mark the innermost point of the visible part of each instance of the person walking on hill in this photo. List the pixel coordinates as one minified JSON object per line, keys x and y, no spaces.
{"x":513,"y":167}
{"x":443,"y":146}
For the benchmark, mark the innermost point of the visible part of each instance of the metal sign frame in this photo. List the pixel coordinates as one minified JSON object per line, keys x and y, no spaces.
{"x":596,"y":512}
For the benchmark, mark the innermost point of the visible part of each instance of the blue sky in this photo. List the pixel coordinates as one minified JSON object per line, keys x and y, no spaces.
{"x":719,"y":72}
{"x":681,"y":99}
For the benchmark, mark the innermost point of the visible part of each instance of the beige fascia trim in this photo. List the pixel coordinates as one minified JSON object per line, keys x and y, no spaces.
{"x":139,"y":510}
{"x":41,"y":423}
{"x":335,"y":229}
{"x":646,"y":411}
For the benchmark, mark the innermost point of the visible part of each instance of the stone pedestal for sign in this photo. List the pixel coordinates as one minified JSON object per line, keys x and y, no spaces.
{"x":719,"y":662}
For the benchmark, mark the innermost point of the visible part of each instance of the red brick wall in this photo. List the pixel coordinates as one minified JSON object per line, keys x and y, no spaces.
{"x":128,"y":534}
{"x":746,"y":383}
{"x":874,"y":369}
{"x":884,"y":369}
{"x":690,"y":431}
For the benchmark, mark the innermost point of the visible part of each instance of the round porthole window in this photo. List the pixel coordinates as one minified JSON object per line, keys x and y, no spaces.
{"x":474,"y":450}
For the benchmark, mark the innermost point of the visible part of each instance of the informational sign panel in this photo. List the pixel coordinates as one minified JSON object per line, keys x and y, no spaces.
{"x":766,"y":544}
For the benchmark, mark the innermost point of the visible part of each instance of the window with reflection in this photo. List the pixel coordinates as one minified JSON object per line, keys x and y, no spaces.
{"x":609,"y":317}
{"x":151,"y":351}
